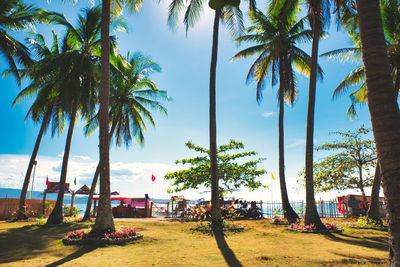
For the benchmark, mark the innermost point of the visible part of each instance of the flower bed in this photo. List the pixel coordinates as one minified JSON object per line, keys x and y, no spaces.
{"x":226,"y":227}
{"x":302,"y":228}
{"x":116,"y":238}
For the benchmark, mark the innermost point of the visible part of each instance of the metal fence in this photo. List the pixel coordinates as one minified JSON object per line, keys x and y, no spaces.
{"x":270,"y":209}
{"x":325,"y":208}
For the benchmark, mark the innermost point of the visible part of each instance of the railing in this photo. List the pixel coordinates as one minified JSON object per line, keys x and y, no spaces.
{"x":325,"y":208}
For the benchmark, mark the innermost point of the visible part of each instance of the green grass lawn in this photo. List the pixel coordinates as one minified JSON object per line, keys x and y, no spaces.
{"x":173,"y":244}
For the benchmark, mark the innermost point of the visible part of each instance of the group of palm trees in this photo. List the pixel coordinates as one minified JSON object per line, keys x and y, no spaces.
{"x":64,"y":79}
{"x":84,"y":55}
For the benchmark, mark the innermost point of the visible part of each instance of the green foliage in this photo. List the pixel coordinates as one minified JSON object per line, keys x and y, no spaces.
{"x":350,"y":167}
{"x":67,"y":211}
{"x":133,"y":97}
{"x":275,"y":37}
{"x":365,"y":222}
{"x":231,"y":14}
{"x":47,"y":206}
{"x":203,"y":213}
{"x":231,"y":173}
{"x":16,"y":15}
{"x":219,"y":4}
{"x":356,"y":78}
{"x":206,"y":228}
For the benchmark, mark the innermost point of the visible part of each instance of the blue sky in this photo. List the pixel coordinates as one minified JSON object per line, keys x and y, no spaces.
{"x":185,"y":61}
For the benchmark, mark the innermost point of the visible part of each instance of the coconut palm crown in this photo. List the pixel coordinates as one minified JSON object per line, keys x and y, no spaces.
{"x":276,"y":37}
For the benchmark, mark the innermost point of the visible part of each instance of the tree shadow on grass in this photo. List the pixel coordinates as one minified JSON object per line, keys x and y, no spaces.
{"x":353,"y":260}
{"x":30,"y":241}
{"x":226,"y":251}
{"x":377,"y":242}
{"x":80,"y":252}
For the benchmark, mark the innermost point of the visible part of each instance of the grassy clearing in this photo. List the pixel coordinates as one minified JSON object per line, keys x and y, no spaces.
{"x":173,"y":244}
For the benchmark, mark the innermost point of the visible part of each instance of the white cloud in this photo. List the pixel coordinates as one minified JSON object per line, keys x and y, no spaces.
{"x":296,"y":143}
{"x":268,"y":114}
{"x":133,"y":178}
{"x":81,"y":157}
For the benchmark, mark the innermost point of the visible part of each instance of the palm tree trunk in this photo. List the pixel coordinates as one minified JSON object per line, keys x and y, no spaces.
{"x":288,"y":211}
{"x":104,"y":221}
{"x":311,"y":215}
{"x":373,"y":211}
{"x":21,"y":215}
{"x":86,"y":217}
{"x":385,"y":115}
{"x":397,"y":86}
{"x":56,"y":216}
{"x":215,"y":205}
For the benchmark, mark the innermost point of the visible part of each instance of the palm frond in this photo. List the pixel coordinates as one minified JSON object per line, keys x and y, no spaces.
{"x":354,"y":78}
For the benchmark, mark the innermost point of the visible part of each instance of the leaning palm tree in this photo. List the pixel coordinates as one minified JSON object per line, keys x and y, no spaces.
{"x":391,"y":22}
{"x":46,"y":107}
{"x":77,"y":73}
{"x":385,"y":114}
{"x":15,"y":15}
{"x":230,"y":13}
{"x":133,"y":96}
{"x":276,"y":37}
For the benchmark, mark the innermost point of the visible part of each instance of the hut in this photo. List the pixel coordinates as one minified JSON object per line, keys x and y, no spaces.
{"x":129,"y":207}
{"x":353,"y":205}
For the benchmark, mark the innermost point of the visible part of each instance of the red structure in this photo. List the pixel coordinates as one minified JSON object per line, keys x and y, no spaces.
{"x":353,"y":205}
{"x":129,"y":207}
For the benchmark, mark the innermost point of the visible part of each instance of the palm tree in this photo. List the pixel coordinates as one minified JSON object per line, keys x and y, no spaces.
{"x":385,"y":114}
{"x":104,"y":220}
{"x":391,"y":22}
{"x":319,"y":17}
{"x":46,"y":106}
{"x":133,"y":96}
{"x":15,"y":15}
{"x":77,"y":72}
{"x":276,"y":36}
{"x":230,"y":13}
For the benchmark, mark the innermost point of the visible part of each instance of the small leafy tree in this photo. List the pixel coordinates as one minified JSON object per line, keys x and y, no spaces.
{"x":231,"y":173}
{"x":350,"y":167}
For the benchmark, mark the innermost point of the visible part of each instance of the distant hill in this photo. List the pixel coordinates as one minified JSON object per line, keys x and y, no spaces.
{"x":16,"y":193}
{"x":79,"y":199}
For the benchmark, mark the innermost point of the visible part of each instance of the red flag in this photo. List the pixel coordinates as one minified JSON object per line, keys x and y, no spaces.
{"x":47,"y":181}
{"x":153,"y":178}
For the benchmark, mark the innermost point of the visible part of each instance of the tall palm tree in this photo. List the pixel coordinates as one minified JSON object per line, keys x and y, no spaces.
{"x":133,"y":96}
{"x":78,"y":72}
{"x":104,"y":221}
{"x":230,"y":13}
{"x":15,"y":15}
{"x":385,"y":114}
{"x":319,"y":18}
{"x":45,"y":108}
{"x":391,"y":21}
{"x":276,"y":36}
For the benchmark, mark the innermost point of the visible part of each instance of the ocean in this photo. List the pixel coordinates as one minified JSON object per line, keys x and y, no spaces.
{"x":269,"y":208}
{"x":80,"y":201}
